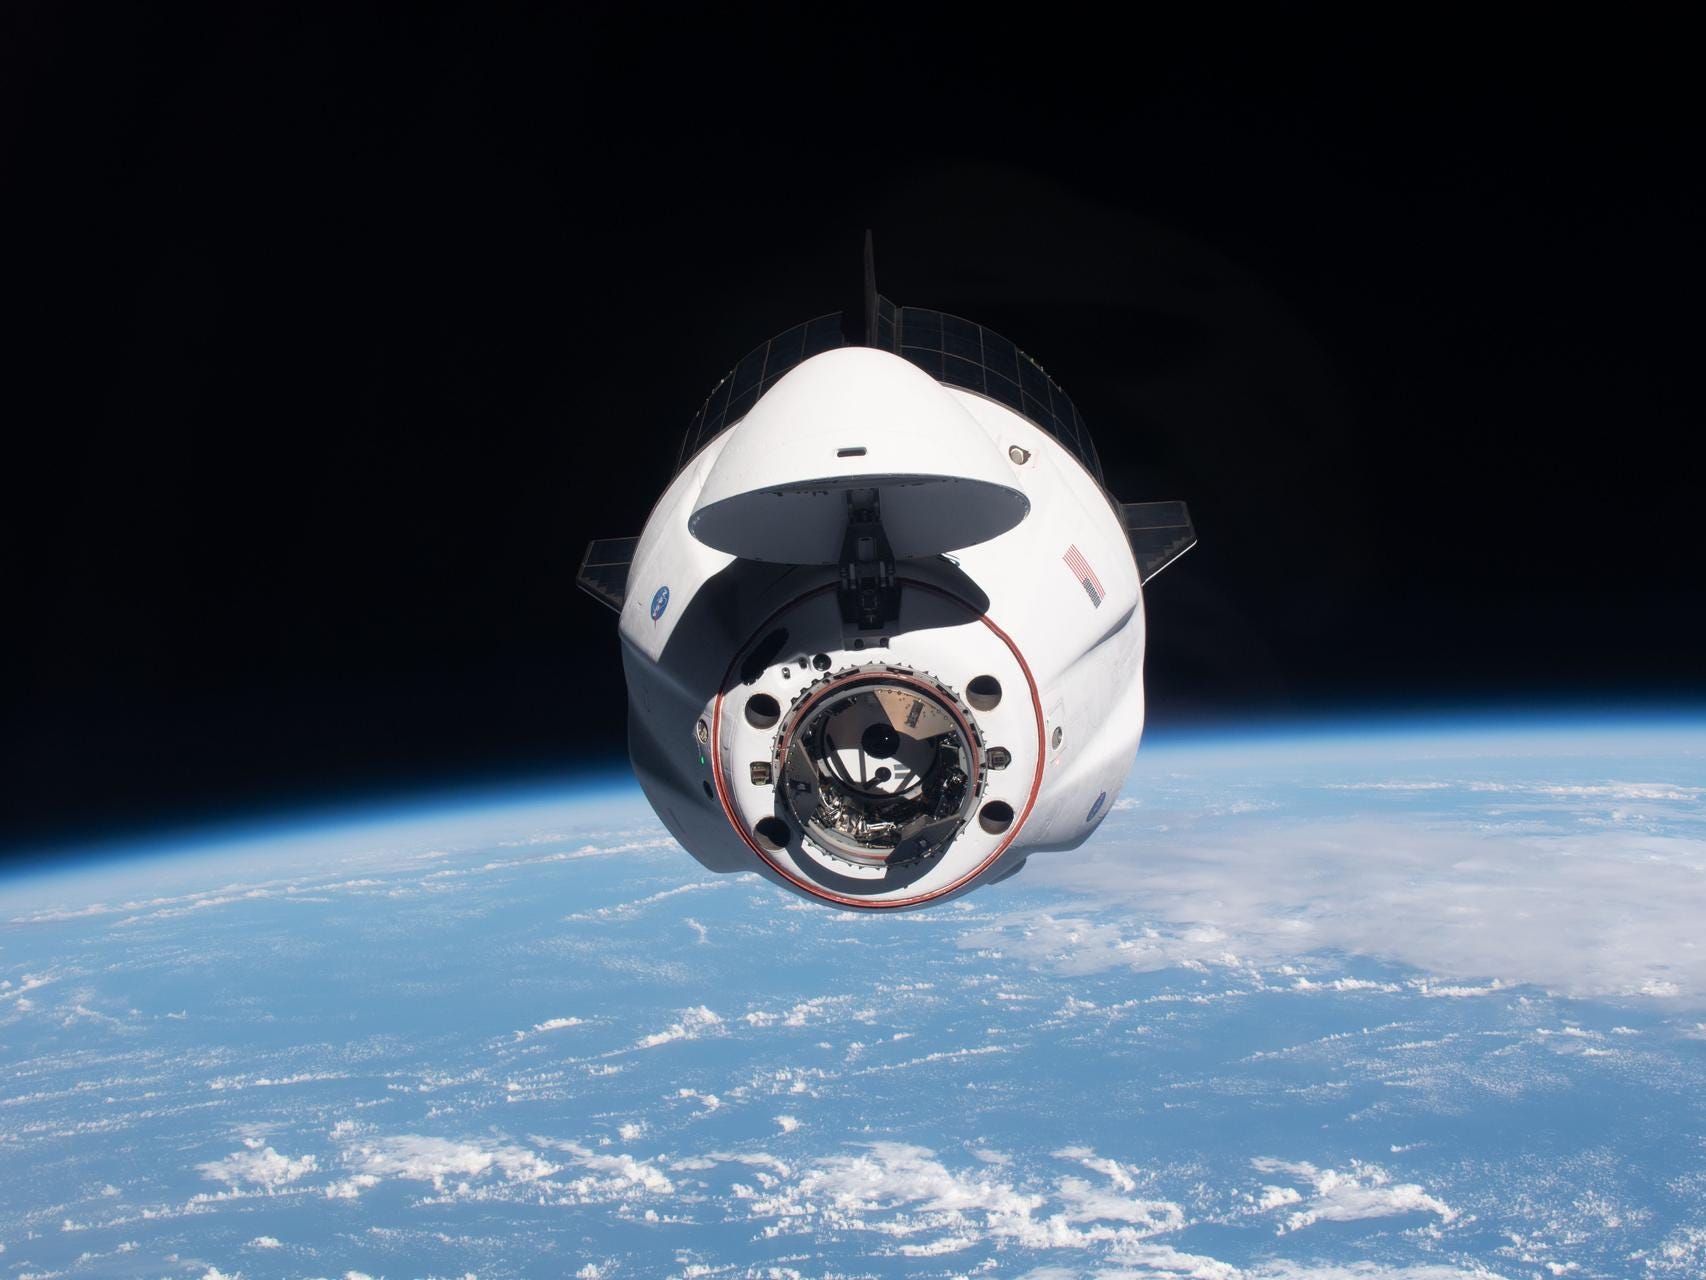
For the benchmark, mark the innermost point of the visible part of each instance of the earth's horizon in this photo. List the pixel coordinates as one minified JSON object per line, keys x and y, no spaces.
{"x":1420,"y":1001}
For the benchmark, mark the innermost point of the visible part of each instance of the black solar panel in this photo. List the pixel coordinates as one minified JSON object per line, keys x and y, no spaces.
{"x":963,"y":353}
{"x":958,"y":352}
{"x":732,"y":398}
{"x":604,"y":570}
{"x":1160,"y":532}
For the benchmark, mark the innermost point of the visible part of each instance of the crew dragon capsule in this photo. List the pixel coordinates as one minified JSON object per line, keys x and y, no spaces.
{"x":883,"y":632}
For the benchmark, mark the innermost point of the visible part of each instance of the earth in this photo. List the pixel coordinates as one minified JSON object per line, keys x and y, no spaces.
{"x":1422,"y":1001}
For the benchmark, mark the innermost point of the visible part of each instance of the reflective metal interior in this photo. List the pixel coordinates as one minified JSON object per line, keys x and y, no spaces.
{"x":879,"y":771}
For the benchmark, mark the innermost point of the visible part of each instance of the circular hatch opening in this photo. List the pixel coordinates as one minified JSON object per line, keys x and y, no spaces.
{"x":879,"y":769}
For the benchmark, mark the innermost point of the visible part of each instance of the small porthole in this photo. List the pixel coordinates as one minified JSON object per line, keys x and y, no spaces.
{"x":1059,"y":733}
{"x":821,"y":662}
{"x":995,"y":817}
{"x":984,"y":693}
{"x":709,"y":794}
{"x":772,"y":833}
{"x":762,"y":711}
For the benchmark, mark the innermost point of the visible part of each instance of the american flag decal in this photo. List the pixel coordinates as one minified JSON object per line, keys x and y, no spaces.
{"x":1081,"y":570}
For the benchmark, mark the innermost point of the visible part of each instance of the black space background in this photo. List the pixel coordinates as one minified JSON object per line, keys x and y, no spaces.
{"x":332,"y":339}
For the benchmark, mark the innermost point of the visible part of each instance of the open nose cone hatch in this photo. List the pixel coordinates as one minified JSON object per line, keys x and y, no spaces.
{"x":879,"y":768}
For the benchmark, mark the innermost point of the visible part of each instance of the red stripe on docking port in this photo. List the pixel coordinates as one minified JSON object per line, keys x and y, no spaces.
{"x":1081,"y":570}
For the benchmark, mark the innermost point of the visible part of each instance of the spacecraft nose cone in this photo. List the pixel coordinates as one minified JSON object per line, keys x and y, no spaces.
{"x":855,"y":418}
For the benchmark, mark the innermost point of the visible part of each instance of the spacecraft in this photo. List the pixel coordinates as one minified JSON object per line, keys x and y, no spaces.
{"x":883,"y":633}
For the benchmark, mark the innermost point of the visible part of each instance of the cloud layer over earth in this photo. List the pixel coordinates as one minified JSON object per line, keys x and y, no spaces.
{"x":901,"y":1200}
{"x":1308,"y":1012}
{"x":1593,"y":889}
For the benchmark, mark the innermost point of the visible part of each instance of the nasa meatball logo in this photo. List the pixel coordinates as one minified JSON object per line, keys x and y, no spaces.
{"x":660,"y":602}
{"x":1097,"y":807}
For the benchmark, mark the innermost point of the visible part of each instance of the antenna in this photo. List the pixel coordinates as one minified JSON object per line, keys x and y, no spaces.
{"x":870,"y":291}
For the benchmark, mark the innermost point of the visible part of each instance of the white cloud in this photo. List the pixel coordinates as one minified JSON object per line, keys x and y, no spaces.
{"x":265,"y":1242}
{"x":27,"y":982}
{"x":627,"y":910}
{"x":1277,"y":1198}
{"x":1085,"y":1203}
{"x":1682,"y":1253}
{"x":887,"y":1175}
{"x":1346,"y":984}
{"x":1594,"y":913}
{"x":1453,"y":991}
{"x":1618,"y":791}
{"x":260,"y":1165}
{"x":632,"y":1131}
{"x":1388,"y":786}
{"x":911,"y":1204}
{"x":1367,"y":1191}
{"x":350,"y":1188}
{"x":755,"y":1159}
{"x":79,"y":1012}
{"x":626,"y":1169}
{"x":1149,"y":1262}
{"x":487,"y":1169}
{"x":1278,"y":1269}
{"x":905,"y":1193}
{"x":616,"y":1173}
{"x":936,"y":1248}
{"x":694,"y":1023}
{"x":219,"y":1083}
{"x":787,"y":1123}
{"x":941,"y":1055}
{"x":1112,"y":1170}
{"x":816,"y":1009}
{"x":550,"y":1024}
{"x":438,"y":1160}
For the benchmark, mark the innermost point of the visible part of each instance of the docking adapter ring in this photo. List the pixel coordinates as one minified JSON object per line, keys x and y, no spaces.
{"x":881,"y":766}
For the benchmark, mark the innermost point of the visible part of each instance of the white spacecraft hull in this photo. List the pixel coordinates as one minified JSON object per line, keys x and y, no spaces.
{"x":883,"y":638}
